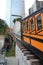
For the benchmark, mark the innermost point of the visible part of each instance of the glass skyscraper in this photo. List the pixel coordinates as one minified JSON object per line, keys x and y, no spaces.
{"x":14,"y":7}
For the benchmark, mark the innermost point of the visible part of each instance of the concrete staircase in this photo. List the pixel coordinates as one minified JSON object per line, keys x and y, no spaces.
{"x":28,"y":57}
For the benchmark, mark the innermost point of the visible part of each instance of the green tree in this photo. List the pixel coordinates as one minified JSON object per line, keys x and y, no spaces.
{"x":3,"y":27}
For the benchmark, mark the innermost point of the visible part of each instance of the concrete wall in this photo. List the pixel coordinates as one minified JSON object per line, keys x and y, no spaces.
{"x":20,"y":56}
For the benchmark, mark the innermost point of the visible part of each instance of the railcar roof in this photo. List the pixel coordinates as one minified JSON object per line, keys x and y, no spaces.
{"x":38,"y":11}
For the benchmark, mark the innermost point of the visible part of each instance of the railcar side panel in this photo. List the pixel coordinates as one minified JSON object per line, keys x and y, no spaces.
{"x":26,"y":40}
{"x":36,"y":44}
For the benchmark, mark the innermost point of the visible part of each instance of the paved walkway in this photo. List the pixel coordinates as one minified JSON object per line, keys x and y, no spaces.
{"x":12,"y":61}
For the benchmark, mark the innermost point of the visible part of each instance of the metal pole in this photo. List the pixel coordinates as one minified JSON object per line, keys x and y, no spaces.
{"x":20,"y":22}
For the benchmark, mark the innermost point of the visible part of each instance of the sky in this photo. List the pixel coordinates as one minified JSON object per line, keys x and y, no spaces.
{"x":28,"y":4}
{"x":2,"y":9}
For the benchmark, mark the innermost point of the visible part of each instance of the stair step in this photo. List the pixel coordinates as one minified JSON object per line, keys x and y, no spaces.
{"x":30,"y":56}
{"x":34,"y":62}
{"x":26,"y":52}
{"x":22,"y":48}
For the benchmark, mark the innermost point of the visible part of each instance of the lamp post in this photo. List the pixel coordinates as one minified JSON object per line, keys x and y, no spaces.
{"x":16,"y":15}
{"x":20,"y":22}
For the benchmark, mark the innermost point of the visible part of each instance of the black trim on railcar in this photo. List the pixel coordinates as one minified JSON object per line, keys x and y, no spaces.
{"x":37,"y":39}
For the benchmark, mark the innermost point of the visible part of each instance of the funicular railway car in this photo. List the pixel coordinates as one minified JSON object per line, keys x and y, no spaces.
{"x":32,"y":33}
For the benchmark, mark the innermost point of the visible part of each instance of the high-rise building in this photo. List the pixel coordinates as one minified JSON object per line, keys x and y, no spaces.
{"x":36,"y":6}
{"x":14,"y":7}
{"x":30,"y":10}
{"x":8,"y":11}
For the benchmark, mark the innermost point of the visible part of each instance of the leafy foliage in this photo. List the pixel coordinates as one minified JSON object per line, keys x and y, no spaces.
{"x":17,"y":19}
{"x":11,"y":52}
{"x":3,"y":27}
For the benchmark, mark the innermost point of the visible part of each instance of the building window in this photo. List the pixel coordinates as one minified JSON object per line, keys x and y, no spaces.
{"x":39,"y":23}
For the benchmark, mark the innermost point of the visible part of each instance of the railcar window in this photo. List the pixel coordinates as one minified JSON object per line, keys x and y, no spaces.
{"x":39,"y":23}
{"x":32,"y":25}
{"x":25,"y":26}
